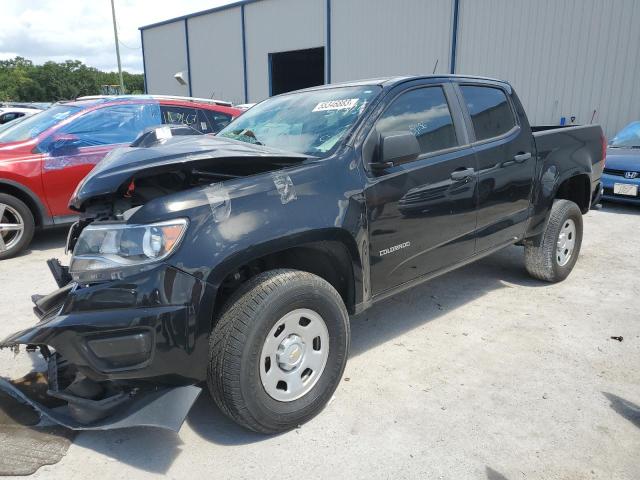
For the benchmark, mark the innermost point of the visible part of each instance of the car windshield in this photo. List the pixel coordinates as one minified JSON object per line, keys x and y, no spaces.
{"x":310,"y":123}
{"x":34,"y":125}
{"x":628,"y":137}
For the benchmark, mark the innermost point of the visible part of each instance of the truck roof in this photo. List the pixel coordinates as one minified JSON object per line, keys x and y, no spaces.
{"x":387,"y":82}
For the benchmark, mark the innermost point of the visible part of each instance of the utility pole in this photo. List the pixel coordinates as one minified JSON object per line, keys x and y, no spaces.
{"x":115,"y":34}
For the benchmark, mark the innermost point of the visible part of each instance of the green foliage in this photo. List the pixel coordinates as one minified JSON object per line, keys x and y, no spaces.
{"x":22,"y":81}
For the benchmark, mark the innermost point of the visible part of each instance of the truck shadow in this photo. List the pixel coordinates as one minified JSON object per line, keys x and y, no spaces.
{"x":429,"y":301}
{"x":624,"y":408}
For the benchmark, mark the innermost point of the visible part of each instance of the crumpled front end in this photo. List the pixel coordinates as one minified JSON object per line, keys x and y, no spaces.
{"x":122,"y":353}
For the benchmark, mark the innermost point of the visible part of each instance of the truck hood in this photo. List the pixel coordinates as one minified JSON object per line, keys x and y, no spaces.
{"x":623,"y":159}
{"x":121,"y":166}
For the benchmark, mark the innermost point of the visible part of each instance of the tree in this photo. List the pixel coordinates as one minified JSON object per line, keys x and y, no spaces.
{"x":21,"y":80}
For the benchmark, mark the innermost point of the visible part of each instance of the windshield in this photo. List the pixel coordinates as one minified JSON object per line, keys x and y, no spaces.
{"x":34,"y":125}
{"x":628,"y":137}
{"x":310,"y":123}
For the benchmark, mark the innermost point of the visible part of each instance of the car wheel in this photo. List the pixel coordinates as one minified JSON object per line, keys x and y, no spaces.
{"x":553,"y":257}
{"x":16,"y":226}
{"x":278,"y":350}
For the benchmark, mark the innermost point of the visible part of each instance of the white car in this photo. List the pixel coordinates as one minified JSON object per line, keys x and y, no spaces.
{"x":8,"y":114}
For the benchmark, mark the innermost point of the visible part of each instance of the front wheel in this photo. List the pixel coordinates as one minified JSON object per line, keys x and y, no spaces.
{"x":554,"y":256}
{"x":278,"y":350}
{"x":16,"y":226}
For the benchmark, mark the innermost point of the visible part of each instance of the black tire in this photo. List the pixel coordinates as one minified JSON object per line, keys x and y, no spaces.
{"x":237,"y":340}
{"x":16,"y":208}
{"x":540,"y":257}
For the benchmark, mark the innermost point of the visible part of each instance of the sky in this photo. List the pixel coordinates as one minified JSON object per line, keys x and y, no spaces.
{"x":58,"y":30}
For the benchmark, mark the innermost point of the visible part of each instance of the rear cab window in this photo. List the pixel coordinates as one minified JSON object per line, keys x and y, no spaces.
{"x":490,"y":111}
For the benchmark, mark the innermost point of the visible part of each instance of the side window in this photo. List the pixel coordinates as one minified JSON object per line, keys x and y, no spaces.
{"x":490,"y":111}
{"x":112,"y":125}
{"x":7,"y":117}
{"x":217,"y":120}
{"x":176,"y":115}
{"x":425,"y":113}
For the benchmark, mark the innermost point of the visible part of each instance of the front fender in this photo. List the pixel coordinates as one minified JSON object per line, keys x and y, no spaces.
{"x":241,"y":220}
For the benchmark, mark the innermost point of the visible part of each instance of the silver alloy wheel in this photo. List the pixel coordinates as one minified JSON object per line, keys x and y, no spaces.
{"x":566,"y":242}
{"x":294,"y":355}
{"x":11,"y":227}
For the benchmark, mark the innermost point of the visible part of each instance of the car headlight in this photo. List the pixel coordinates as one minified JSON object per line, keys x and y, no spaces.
{"x":111,"y":251}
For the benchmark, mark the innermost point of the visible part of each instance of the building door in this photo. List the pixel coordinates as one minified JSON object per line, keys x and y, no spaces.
{"x":296,"y":69}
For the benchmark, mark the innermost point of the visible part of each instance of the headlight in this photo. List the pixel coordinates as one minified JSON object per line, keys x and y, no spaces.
{"x":113,"y":251}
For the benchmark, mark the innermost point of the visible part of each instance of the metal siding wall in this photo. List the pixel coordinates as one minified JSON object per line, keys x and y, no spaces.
{"x":373,"y":38}
{"x":564,"y":58}
{"x":215,"y":45}
{"x":165,"y":54}
{"x":277,"y":26}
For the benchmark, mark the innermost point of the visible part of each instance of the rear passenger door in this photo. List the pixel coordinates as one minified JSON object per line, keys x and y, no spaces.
{"x":502,"y":142}
{"x":421,"y":214}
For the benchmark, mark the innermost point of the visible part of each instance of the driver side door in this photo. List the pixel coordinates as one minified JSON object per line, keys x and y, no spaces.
{"x":421,"y":214}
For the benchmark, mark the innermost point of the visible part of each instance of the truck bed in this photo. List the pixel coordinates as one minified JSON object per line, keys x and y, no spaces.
{"x":582,"y":144}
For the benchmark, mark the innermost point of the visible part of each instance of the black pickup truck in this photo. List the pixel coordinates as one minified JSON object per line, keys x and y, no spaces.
{"x":237,"y":259}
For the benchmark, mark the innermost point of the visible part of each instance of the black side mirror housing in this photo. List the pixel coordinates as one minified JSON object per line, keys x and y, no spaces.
{"x":395,"y":148}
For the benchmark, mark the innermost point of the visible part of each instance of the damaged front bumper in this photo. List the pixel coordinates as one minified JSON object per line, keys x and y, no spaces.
{"x":163,"y":408}
{"x":123,"y":353}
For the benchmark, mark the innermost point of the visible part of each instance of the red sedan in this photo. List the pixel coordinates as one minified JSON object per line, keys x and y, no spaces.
{"x":44,"y":157}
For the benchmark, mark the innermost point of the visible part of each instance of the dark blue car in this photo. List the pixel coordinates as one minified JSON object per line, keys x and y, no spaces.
{"x":621,"y":177}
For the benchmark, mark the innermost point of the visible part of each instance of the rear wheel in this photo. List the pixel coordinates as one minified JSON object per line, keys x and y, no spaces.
{"x":278,"y":350}
{"x":16,"y":226}
{"x":556,"y":253}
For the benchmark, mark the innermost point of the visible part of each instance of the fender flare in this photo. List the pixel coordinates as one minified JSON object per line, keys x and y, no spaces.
{"x":43,"y":219}
{"x":540,"y":217}
{"x":300,"y":239}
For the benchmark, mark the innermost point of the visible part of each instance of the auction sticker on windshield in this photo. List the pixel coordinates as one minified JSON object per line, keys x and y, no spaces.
{"x":346,"y":104}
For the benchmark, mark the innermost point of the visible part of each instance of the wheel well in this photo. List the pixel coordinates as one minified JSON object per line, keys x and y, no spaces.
{"x":578,"y":190}
{"x":329,"y":260}
{"x":26,"y":198}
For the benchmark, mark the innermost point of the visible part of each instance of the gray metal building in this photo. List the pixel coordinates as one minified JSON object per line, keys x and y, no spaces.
{"x":565,"y":57}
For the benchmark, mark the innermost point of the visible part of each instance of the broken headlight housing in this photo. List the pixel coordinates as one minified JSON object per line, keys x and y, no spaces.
{"x":111,"y":251}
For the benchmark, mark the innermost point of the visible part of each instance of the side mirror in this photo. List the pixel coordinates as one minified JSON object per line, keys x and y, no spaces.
{"x":395,"y":148}
{"x":63,"y":145}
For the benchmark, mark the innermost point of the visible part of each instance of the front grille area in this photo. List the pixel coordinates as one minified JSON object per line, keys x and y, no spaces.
{"x":611,"y":171}
{"x":617,"y":173}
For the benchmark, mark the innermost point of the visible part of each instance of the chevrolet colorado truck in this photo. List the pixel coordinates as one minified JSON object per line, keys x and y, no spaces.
{"x":236,"y":260}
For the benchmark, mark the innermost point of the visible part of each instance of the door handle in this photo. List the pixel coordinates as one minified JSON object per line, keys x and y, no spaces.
{"x":522,"y":157}
{"x":462,"y":174}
